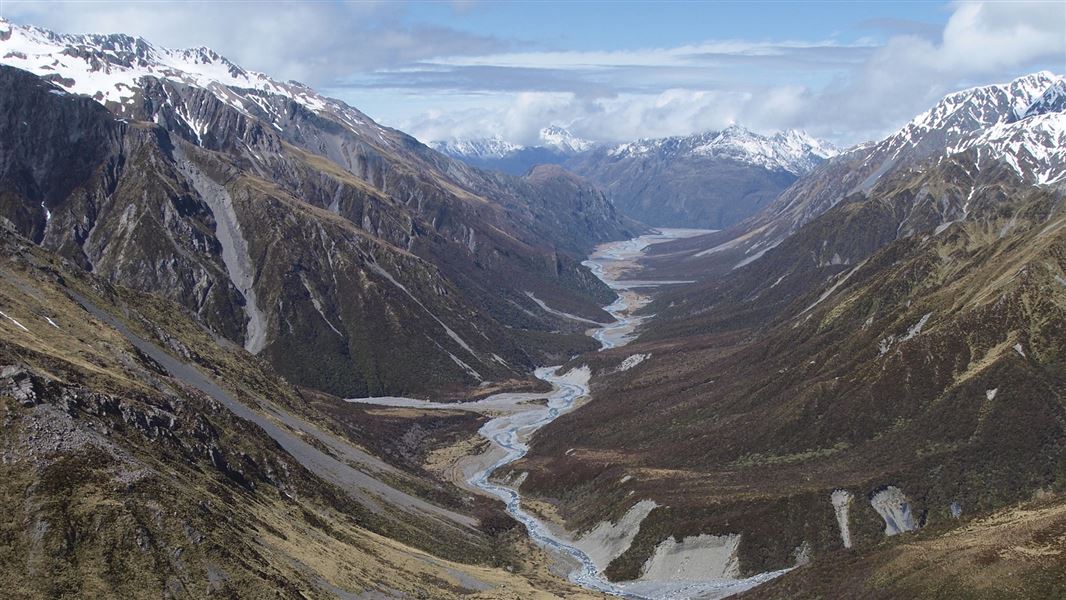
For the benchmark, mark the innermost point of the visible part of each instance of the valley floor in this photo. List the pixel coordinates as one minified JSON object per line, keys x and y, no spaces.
{"x":515,"y":418}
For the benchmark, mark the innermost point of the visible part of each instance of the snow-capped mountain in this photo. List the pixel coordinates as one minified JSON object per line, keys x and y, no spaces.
{"x":792,"y":151}
{"x":712,"y":179}
{"x":560,"y":139}
{"x":553,"y":138}
{"x":984,"y":117}
{"x":179,"y":173}
{"x":555,"y":145}
{"x":112,"y":70}
{"x":1019,"y":125}
{"x":1052,"y":100}
{"x":484,"y":148}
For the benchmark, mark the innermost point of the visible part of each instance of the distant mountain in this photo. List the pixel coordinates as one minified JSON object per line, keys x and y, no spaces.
{"x":1019,"y":125}
{"x":710,"y":180}
{"x":556,"y":146}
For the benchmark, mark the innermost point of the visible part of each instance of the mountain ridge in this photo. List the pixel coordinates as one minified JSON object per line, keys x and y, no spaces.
{"x":254,"y":170}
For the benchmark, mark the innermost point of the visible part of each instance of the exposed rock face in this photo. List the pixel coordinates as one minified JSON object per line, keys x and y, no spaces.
{"x":341,"y":251}
{"x":895,"y":509}
{"x":17,"y":383}
{"x":233,"y":248}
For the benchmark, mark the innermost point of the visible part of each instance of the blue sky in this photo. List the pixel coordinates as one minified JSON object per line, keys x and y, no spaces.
{"x":610,"y":71}
{"x":619,"y":25}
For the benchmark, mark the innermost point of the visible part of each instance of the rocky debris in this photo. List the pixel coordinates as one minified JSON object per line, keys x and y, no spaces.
{"x":841,"y":500}
{"x":607,"y":541}
{"x":64,"y":419}
{"x":956,"y":510}
{"x":632,"y":361}
{"x":16,"y":382}
{"x":802,"y":554}
{"x":47,"y":432}
{"x":694,"y":558}
{"x":895,"y":509}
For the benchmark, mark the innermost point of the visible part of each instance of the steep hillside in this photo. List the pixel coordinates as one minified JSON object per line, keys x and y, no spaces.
{"x":1012,"y":553}
{"x":350,"y":256}
{"x":1011,"y":123}
{"x":895,"y":363}
{"x":145,"y":457}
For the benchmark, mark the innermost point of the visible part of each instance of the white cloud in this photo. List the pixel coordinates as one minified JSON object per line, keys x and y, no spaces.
{"x":313,"y":42}
{"x":439,"y":83}
{"x":865,"y":93}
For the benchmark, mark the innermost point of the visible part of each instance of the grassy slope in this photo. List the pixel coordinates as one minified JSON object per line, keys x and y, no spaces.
{"x":759,"y":400}
{"x":118,"y":480}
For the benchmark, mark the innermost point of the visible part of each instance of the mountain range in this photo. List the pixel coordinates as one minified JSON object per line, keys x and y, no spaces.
{"x":293,"y":224}
{"x":214,"y":283}
{"x":711,"y":180}
{"x":556,"y":145}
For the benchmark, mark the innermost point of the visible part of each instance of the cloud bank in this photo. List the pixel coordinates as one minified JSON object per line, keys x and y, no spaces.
{"x":845,"y":93}
{"x":438,"y":82}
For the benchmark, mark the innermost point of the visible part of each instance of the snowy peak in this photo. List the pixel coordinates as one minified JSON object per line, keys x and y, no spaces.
{"x":552,"y":138}
{"x":1020,"y":123}
{"x":109,"y":68}
{"x":561,"y":140}
{"x":485,"y":148}
{"x":958,"y":115}
{"x":792,"y":151}
{"x":1052,"y":100}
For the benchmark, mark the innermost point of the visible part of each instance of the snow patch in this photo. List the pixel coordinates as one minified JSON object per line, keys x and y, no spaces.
{"x":917,"y":327}
{"x":19,"y":325}
{"x":834,"y":287}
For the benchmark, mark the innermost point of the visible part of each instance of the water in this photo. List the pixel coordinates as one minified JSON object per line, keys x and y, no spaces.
{"x":510,"y":432}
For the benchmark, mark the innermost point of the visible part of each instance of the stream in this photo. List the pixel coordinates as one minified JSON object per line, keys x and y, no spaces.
{"x":512,"y":430}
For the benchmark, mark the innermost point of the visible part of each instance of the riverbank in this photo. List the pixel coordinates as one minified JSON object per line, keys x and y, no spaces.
{"x":516,"y":417}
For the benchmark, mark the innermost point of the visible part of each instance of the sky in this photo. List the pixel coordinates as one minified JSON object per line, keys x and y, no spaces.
{"x":609,"y":71}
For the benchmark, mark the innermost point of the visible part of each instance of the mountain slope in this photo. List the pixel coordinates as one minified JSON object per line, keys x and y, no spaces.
{"x":995,"y":120}
{"x":341,"y":251}
{"x":894,"y":363}
{"x":710,"y":180}
{"x":143,"y":457}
